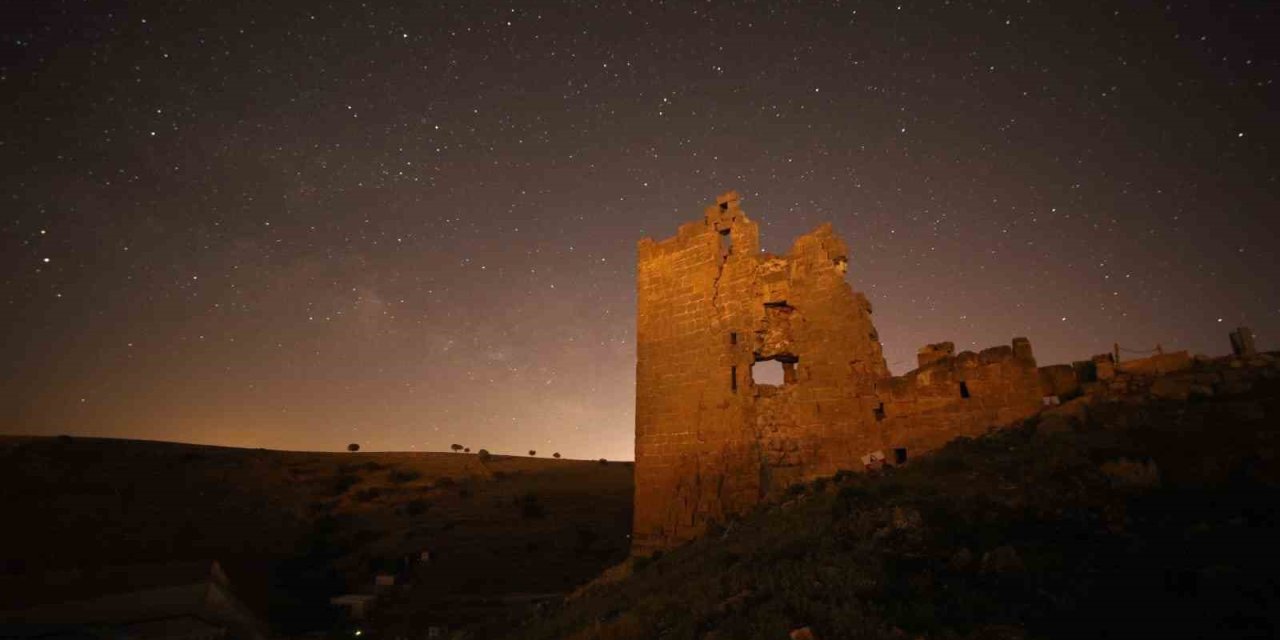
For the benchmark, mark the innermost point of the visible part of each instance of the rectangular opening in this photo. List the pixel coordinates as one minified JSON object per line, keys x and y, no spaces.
{"x":775,"y":371}
{"x":879,"y":411}
{"x":733,"y":378}
{"x":964,"y":390}
{"x":767,"y":372}
{"x":733,"y":338}
{"x":726,"y":243}
{"x":900,"y":455}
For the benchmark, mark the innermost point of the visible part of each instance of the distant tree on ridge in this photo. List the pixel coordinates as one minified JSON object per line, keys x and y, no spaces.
{"x":456,"y":447}
{"x":353,"y":447}
{"x":556,"y":455}
{"x":532,"y":452}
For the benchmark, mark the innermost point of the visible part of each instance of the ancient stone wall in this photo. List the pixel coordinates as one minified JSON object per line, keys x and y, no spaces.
{"x":712,"y":439}
{"x":959,"y":395}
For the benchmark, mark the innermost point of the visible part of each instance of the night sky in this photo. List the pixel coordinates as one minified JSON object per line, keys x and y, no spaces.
{"x":298,"y":225}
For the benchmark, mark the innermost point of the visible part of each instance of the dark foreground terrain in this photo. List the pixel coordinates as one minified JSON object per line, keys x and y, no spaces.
{"x":1122,"y":516}
{"x":293,"y":529}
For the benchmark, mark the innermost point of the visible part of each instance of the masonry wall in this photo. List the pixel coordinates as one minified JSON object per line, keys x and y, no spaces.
{"x":960,"y":395}
{"x":711,"y":441}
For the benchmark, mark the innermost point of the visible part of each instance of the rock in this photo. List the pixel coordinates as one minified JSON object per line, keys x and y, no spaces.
{"x":1245,"y":411}
{"x":1200,"y":391}
{"x":803,"y":633}
{"x":961,"y":560}
{"x":1132,"y":474}
{"x":1003,"y":559}
{"x":734,"y":602}
{"x":1167,"y":388}
{"x":1053,"y":423}
{"x":906,"y":518}
{"x":998,"y":632}
{"x":1235,"y":387}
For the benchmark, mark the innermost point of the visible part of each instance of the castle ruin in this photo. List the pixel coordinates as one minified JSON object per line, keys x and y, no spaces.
{"x":713,"y":439}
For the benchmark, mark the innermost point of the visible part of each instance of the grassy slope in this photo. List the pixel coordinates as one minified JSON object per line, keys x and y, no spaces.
{"x":1023,"y":533}
{"x":294,"y":528}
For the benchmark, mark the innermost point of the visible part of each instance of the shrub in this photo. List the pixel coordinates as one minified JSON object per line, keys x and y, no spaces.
{"x":400,"y":477}
{"x":556,"y":455}
{"x":344,"y":482}
{"x":484,"y":455}
{"x":466,"y":449}
{"x":603,"y":461}
{"x":532,"y":452}
{"x":416,"y":507}
{"x":353,"y":447}
{"x":530,"y":507}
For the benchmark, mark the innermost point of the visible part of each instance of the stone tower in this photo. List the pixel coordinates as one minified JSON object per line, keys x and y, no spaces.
{"x":711,"y":440}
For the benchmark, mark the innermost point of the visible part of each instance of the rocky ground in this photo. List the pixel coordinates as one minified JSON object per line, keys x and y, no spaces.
{"x":1146,"y":508}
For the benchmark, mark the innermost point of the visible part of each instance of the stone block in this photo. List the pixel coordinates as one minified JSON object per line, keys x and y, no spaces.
{"x":932,"y":353}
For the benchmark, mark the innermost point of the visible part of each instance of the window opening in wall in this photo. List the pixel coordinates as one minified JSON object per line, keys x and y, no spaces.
{"x":879,"y":411}
{"x":724,"y":206}
{"x":733,"y":338}
{"x":767,"y":372}
{"x":900,"y":455}
{"x":733,"y":378}
{"x":964,"y":390}
{"x":775,"y":371}
{"x":726,"y":243}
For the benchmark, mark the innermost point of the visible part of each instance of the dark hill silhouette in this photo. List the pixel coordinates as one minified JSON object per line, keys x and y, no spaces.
{"x":293,"y":529}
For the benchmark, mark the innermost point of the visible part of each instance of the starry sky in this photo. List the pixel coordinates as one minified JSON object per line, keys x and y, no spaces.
{"x":302,"y":224}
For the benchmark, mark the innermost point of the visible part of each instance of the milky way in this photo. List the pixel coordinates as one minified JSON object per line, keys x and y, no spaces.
{"x":298,"y":226}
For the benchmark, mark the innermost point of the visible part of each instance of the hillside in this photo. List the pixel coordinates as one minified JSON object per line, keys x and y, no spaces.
{"x":1142,"y":511}
{"x":293,"y":529}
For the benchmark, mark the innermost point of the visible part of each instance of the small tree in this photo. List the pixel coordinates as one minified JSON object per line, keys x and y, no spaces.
{"x":484,"y":455}
{"x":532,"y":452}
{"x":456,"y":447}
{"x":466,"y":449}
{"x":556,"y":455}
{"x":353,"y":447}
{"x":603,"y":461}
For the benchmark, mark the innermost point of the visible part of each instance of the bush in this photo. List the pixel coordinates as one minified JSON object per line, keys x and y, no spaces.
{"x":603,"y":461}
{"x":353,"y":447}
{"x":344,"y":482}
{"x":556,"y":455}
{"x":417,"y":507}
{"x":400,"y":477}
{"x":532,"y":452}
{"x":530,"y":507}
{"x":484,"y":455}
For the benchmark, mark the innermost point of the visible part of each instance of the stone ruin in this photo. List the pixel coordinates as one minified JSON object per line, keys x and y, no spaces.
{"x":713,"y":439}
